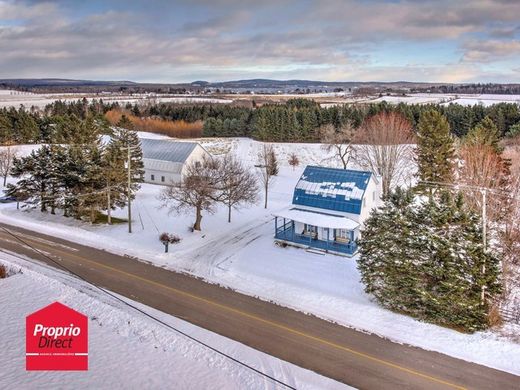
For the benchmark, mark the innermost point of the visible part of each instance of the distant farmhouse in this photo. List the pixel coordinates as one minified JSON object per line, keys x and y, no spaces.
{"x":329,"y":206}
{"x":165,"y":160}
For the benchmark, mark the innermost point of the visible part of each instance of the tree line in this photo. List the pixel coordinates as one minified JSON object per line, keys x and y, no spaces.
{"x":297,"y":120}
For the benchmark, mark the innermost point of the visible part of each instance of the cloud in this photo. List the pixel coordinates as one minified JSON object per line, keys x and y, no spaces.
{"x":490,"y":50}
{"x":183,"y":40}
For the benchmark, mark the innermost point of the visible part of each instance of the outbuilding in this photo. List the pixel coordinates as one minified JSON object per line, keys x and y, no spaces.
{"x":165,"y":161}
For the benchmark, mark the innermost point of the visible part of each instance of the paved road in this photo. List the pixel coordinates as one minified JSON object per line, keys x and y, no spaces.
{"x":361,"y":360}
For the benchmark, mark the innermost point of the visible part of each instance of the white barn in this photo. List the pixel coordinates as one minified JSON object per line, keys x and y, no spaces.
{"x":165,"y":160}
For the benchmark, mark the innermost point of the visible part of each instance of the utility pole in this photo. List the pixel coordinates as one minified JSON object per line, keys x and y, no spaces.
{"x":129,"y":193}
{"x":109,"y":206}
{"x":484,"y":241}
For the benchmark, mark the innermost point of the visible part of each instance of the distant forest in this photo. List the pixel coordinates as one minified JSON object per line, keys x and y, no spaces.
{"x":498,"y":89}
{"x":297,"y":120}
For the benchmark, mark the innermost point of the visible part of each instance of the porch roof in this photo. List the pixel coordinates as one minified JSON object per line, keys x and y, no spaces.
{"x":318,"y":219}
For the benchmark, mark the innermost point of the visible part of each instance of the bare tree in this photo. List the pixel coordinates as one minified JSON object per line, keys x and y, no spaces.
{"x":238,"y":186}
{"x":482,"y":166}
{"x":386,"y":148}
{"x":340,"y":141}
{"x":198,"y":190}
{"x":268,"y":167}
{"x":7,"y":155}
{"x":293,"y":161}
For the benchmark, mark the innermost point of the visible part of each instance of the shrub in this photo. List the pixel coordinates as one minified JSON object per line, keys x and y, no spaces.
{"x":169,"y":238}
{"x":176,"y":129}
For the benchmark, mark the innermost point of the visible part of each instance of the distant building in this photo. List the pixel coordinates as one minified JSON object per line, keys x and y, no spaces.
{"x":165,"y":160}
{"x":329,"y":206}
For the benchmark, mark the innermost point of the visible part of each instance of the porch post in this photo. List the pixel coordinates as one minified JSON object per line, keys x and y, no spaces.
{"x":292,"y":230}
{"x":275,"y":226}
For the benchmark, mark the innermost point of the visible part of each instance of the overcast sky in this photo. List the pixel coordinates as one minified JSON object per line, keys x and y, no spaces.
{"x":215,"y":40}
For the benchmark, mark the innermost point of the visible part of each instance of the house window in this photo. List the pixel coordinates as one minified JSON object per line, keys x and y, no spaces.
{"x":162,"y":179}
{"x":310,"y":230}
{"x":342,"y":235}
{"x":152,"y":177}
{"x":197,"y":164}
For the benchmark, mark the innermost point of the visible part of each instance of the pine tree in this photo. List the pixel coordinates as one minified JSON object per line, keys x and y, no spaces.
{"x":115,"y":176}
{"x":124,"y":139}
{"x":427,"y":260}
{"x":435,"y":151}
{"x":6,"y":129}
{"x":485,"y":133}
{"x":26,"y":128}
{"x":33,"y":187}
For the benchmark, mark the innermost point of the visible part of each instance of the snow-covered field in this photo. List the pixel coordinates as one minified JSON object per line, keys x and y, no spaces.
{"x":9,"y":98}
{"x":462,"y":99}
{"x":154,"y":356}
{"x":15,"y":99}
{"x":242,"y":255}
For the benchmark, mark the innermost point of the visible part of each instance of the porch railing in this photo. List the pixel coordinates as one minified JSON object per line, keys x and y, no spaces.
{"x":286,"y":232}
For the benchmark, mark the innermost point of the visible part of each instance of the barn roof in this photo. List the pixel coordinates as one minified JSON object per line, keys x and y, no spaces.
{"x":332,"y":189}
{"x":166,"y":150}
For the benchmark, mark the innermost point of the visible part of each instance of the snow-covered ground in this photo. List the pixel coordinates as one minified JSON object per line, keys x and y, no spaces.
{"x":154,"y":356}
{"x":242,"y":255}
{"x":462,"y":99}
{"x":9,"y":98}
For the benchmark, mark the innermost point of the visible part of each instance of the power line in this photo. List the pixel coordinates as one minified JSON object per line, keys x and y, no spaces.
{"x":263,"y":374}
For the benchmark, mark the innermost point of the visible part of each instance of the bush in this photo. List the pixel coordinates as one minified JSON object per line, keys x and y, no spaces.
{"x":169,"y":238}
{"x":176,"y":129}
{"x":514,"y":131}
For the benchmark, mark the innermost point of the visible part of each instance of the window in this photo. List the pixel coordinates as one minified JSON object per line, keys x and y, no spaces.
{"x":342,"y":235}
{"x":152,"y":177}
{"x":310,"y":230}
{"x":162,"y":179}
{"x":197,"y":164}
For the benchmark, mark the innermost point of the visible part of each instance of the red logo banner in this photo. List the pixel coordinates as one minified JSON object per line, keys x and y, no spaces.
{"x":56,"y":338}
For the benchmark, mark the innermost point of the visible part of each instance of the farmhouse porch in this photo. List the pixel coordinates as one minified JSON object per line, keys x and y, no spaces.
{"x":318,"y":230}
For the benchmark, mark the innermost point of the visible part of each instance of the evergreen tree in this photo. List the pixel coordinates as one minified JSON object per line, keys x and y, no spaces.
{"x":428,"y":260}
{"x":35,"y":178}
{"x":6,"y":129}
{"x":123,"y":139}
{"x":26,"y":128}
{"x":485,"y":133}
{"x":115,"y":176}
{"x":435,"y":150}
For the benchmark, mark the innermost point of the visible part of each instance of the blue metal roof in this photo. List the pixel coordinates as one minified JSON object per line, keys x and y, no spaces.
{"x":332,"y":189}
{"x":167,"y":150}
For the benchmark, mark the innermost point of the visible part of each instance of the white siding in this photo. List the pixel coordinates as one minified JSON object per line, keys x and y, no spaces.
{"x":171,"y":171}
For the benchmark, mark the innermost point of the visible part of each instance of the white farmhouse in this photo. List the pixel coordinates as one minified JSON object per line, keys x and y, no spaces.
{"x":165,"y":160}
{"x":329,"y":206}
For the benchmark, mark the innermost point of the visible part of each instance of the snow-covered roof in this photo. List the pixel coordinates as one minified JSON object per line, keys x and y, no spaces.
{"x":332,"y":189}
{"x":167,"y":150}
{"x":318,"y":219}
